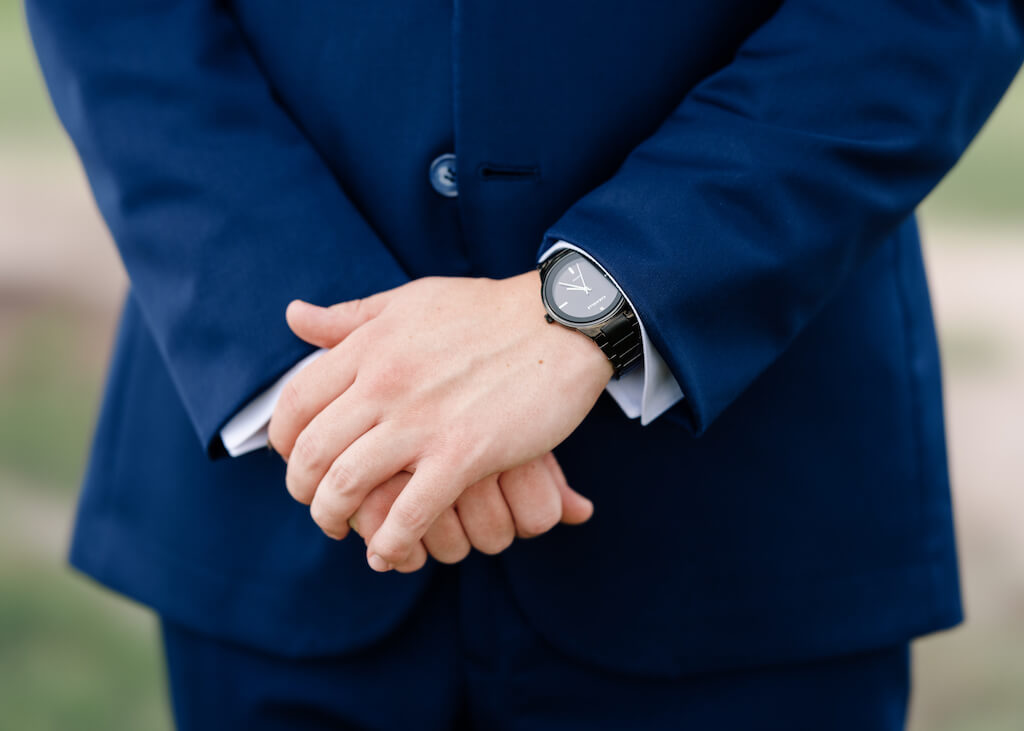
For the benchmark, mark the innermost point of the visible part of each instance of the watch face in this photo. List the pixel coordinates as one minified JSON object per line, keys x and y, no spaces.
{"x":578,"y":292}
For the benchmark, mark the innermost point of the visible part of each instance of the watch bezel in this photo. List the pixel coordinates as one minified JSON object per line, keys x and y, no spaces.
{"x":567,"y":320}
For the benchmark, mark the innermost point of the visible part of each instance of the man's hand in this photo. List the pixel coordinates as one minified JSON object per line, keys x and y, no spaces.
{"x":533,"y":498}
{"x":449,"y":379}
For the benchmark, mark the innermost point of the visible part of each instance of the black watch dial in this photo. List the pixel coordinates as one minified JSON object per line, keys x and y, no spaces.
{"x":577,"y":291}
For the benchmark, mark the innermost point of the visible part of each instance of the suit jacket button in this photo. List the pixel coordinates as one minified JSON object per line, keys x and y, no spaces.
{"x":442,"y":175}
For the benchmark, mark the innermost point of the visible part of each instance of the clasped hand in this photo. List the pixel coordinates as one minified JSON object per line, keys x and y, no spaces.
{"x":428,"y":425}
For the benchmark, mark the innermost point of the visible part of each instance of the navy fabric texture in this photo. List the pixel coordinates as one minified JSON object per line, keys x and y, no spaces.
{"x":746,"y":170}
{"x":467,"y":658}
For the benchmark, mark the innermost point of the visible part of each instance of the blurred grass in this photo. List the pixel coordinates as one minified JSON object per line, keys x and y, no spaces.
{"x":71,"y":657}
{"x":975,"y":351}
{"x":48,"y":396}
{"x":26,"y":118}
{"x":75,"y":658}
{"x":987,"y":185}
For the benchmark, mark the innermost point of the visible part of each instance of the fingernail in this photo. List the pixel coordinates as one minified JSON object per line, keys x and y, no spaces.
{"x":377,"y":563}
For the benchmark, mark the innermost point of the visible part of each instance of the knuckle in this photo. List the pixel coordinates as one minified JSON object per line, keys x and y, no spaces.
{"x":538,"y":523}
{"x":455,"y":543}
{"x":388,"y":378}
{"x":549,"y":520}
{"x":394,"y":553}
{"x":422,"y":283}
{"x":410,"y":516}
{"x":495,"y":529}
{"x":459,"y":448}
{"x":297,"y":488}
{"x":318,"y":512}
{"x":527,"y":531}
{"x":451,"y":554}
{"x":290,"y":401}
{"x":356,"y":308}
{"x":326,"y":516}
{"x":276,"y":436}
{"x":495,"y":544}
{"x":412,"y":565}
{"x":462,"y":552}
{"x":342,"y":478}
{"x":306,"y":452}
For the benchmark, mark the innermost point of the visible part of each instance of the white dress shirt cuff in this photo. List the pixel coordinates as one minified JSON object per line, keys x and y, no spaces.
{"x":649,"y":390}
{"x":247,"y":430}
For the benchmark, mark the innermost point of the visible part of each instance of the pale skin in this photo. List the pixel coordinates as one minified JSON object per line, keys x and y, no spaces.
{"x":428,"y":426}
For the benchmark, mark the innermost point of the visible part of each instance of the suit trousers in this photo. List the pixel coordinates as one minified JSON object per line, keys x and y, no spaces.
{"x":466,"y":658}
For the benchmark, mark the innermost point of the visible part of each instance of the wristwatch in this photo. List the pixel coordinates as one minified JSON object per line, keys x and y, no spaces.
{"x":579,"y":295}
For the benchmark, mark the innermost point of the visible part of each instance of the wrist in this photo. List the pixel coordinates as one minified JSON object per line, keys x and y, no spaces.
{"x":566,"y":348}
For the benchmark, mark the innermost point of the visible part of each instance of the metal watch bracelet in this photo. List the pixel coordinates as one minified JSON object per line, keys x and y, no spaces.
{"x":619,"y":339}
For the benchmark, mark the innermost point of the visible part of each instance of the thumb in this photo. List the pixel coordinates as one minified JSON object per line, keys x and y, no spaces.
{"x":576,"y":509}
{"x":325,"y":327}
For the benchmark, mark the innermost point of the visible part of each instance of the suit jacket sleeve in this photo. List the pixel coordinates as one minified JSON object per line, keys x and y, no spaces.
{"x":221,"y":208}
{"x":735,"y":222}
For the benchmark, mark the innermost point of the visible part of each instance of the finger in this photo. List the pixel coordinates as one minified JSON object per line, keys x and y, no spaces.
{"x":374,"y":509}
{"x":433,"y":488}
{"x":328,"y":435}
{"x":533,"y":498}
{"x":486,"y":517}
{"x":372,"y":459}
{"x":307,"y":394}
{"x":576,"y":509}
{"x":446,"y":540}
{"x":368,"y":518}
{"x":416,"y":559}
{"x":327,"y":326}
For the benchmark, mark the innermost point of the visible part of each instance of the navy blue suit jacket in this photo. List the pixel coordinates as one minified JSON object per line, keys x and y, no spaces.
{"x":746,"y":170}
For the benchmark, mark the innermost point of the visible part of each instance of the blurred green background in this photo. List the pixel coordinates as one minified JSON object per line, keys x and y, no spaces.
{"x":73,"y":656}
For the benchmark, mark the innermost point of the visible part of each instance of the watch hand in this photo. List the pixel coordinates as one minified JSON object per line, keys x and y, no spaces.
{"x":580,"y":269}
{"x":575,"y":287}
